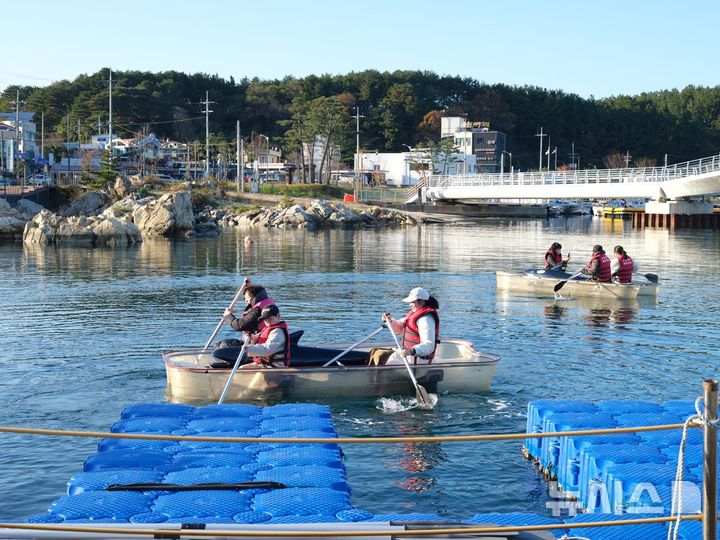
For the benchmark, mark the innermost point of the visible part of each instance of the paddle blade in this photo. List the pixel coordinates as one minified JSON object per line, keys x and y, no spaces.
{"x":425,"y":400}
{"x":652,"y":278}
{"x":559,"y":286}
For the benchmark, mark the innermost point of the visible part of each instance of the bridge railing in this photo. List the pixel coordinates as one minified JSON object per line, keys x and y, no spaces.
{"x":585,"y":176}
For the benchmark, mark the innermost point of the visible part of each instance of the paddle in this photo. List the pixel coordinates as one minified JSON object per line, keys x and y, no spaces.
{"x":422,"y":396}
{"x":561,"y":284}
{"x":363,"y":340}
{"x":652,"y":278}
{"x":234,"y":369}
{"x":241,"y":290}
{"x":195,"y":487}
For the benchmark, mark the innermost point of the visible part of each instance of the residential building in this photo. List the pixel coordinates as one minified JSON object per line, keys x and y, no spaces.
{"x":23,"y":136}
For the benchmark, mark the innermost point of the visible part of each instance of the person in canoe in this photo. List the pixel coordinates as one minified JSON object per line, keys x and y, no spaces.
{"x":257,"y":299}
{"x":622,"y":266}
{"x":554,"y":258}
{"x":599,"y":266}
{"x":271,"y":346}
{"x":420,"y":328}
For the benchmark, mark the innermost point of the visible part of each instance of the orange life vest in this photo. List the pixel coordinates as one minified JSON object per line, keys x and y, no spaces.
{"x":411,"y":334}
{"x":280,"y":355}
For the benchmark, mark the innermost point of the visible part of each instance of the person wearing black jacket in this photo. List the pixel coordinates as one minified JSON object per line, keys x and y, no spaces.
{"x":256,"y":298}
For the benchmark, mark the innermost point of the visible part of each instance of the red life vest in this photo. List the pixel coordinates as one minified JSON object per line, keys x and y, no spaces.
{"x":557,"y":257}
{"x":265,"y":302}
{"x":411,"y":333}
{"x":604,"y":272}
{"x":624,"y":273}
{"x":281,"y":355}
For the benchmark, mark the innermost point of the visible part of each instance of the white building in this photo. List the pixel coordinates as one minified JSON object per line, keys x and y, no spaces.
{"x":476,"y":139}
{"x":404,"y":169}
{"x":23,"y":144}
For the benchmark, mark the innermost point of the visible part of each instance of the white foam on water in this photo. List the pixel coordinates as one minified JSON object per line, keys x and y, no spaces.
{"x":392,"y":406}
{"x":498,"y":404}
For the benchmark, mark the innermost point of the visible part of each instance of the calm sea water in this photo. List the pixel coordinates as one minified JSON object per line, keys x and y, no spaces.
{"x":82,"y":332}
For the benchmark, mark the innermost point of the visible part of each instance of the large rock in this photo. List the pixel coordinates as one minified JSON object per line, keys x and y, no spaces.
{"x":87,"y":205}
{"x":28,"y":208}
{"x":115,"y":232}
{"x":48,"y":228}
{"x":122,"y":187}
{"x":170,"y":215}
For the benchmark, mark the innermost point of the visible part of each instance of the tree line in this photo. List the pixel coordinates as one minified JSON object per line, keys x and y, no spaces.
{"x":399,"y":109}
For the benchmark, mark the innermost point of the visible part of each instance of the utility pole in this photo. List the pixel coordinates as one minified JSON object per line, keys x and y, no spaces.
{"x":42,"y":135}
{"x":238,"y":180}
{"x":99,"y":126}
{"x":110,"y":123}
{"x":541,"y":135}
{"x":78,"y":134}
{"x":16,"y":142}
{"x":358,"y":116}
{"x":207,"y":112}
{"x":548,"y":153}
{"x":627,"y":158}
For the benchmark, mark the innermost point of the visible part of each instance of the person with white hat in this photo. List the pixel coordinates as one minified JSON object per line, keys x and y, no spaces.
{"x":420,"y":327}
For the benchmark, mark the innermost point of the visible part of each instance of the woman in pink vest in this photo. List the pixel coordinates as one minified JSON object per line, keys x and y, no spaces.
{"x":256,"y":299}
{"x":622,"y":266}
{"x":420,"y":327}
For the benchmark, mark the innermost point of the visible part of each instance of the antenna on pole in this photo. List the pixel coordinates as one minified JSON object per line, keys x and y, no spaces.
{"x":207,"y":112}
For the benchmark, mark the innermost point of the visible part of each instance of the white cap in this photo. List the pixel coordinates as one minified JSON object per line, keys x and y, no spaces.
{"x":418,"y":293}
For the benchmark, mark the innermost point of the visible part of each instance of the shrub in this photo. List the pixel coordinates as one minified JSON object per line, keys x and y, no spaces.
{"x":304,"y":190}
{"x":285,"y":202}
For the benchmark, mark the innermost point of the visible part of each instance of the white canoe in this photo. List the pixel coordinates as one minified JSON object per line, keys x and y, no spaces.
{"x":457,"y":367}
{"x":543,"y":283}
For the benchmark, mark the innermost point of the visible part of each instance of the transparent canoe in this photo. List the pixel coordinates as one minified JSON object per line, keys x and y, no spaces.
{"x":543,"y":282}
{"x":457,"y":367}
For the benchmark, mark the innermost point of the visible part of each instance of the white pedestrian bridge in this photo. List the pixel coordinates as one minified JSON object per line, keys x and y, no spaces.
{"x":697,"y":178}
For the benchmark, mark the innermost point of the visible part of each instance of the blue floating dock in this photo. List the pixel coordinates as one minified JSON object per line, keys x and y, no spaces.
{"x":617,"y":473}
{"x":314,"y":486}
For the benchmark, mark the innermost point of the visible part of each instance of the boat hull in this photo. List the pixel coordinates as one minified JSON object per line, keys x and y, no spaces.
{"x":458,"y":367}
{"x":543,"y":284}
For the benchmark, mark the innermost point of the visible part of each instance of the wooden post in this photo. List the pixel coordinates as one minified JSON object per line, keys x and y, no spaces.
{"x":710,"y":441}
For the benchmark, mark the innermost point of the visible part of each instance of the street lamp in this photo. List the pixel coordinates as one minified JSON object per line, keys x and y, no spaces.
{"x":407,"y":160}
{"x":502,"y":160}
{"x":267,"y":156}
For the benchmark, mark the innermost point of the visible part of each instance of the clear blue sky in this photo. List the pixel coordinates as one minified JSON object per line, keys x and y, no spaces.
{"x":598,"y":47}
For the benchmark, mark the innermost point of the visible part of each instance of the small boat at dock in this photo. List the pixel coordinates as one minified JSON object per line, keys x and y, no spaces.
{"x":457,"y":367}
{"x":543,"y":282}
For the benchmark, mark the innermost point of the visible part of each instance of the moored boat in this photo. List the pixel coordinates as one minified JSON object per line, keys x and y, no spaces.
{"x":543,"y":282}
{"x":457,"y":367}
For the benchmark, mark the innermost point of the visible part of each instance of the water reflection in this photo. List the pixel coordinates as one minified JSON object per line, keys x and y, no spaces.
{"x":419,"y":459}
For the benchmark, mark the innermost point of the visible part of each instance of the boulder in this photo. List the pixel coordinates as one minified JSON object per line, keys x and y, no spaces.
{"x":170,"y":215}
{"x":28,"y":208}
{"x":48,"y":228}
{"x":122,"y":187}
{"x":115,"y":232}
{"x":87,"y":205}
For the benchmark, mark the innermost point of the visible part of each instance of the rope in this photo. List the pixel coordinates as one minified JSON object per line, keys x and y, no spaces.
{"x":166,"y":533}
{"x":336,"y":440}
{"x":695,"y":419}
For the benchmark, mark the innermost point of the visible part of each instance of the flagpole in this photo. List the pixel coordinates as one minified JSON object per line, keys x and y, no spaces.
{"x":555,"y":152}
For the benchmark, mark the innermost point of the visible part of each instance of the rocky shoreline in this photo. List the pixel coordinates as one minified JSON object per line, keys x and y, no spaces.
{"x":96,"y":220}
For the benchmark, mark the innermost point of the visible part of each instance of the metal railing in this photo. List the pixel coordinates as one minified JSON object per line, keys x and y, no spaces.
{"x":383,"y":195}
{"x":585,"y":176}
